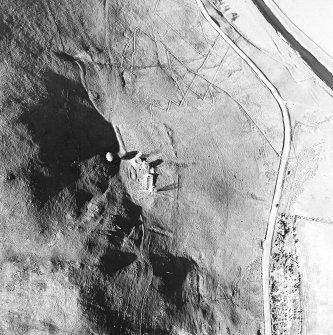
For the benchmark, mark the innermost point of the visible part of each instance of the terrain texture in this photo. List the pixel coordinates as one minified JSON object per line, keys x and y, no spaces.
{"x":139,"y":159}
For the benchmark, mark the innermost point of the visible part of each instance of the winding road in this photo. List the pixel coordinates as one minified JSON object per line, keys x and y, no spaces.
{"x":267,"y":245}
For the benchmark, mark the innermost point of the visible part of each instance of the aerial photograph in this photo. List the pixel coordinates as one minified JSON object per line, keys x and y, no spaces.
{"x":166,"y":167}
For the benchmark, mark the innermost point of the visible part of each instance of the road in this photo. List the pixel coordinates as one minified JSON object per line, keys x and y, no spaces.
{"x":273,"y":216}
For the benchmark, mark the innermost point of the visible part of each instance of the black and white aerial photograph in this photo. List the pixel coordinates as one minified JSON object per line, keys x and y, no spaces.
{"x":166,"y":167}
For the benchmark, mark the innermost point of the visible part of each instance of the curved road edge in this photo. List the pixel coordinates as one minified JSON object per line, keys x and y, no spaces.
{"x":267,"y":245}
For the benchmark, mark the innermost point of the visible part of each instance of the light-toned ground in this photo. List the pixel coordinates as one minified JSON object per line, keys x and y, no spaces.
{"x":175,"y":91}
{"x":315,"y":254}
{"x":308,"y":48}
{"x":161,"y":75}
{"x":312,"y":194}
{"x":308,"y":185}
{"x":313,"y":18}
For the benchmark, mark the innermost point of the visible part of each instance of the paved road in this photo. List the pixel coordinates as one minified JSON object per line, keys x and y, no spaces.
{"x":267,"y":245}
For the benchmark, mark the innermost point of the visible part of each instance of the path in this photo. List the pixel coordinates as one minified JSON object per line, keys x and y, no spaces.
{"x":267,"y":245}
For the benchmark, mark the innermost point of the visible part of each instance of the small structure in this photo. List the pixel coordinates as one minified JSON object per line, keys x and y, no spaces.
{"x":150,"y":183}
{"x":144,"y":173}
{"x":109,"y":157}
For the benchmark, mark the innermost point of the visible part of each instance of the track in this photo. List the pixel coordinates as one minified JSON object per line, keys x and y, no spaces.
{"x":267,"y":245}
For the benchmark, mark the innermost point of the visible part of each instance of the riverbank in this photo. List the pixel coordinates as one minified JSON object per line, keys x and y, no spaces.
{"x":320,"y":63}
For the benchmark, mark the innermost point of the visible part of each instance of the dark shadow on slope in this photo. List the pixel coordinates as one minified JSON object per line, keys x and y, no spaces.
{"x":115,"y":260}
{"x":82,"y":197}
{"x":5,"y":31}
{"x":133,"y":211}
{"x":114,"y":229}
{"x":96,"y":172}
{"x":124,"y":228}
{"x":101,"y":316}
{"x":125,"y":224}
{"x":169,"y":187}
{"x":68,"y":131}
{"x":173,"y":272}
{"x":104,"y":320}
{"x":154,"y":164}
{"x":129,"y":155}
